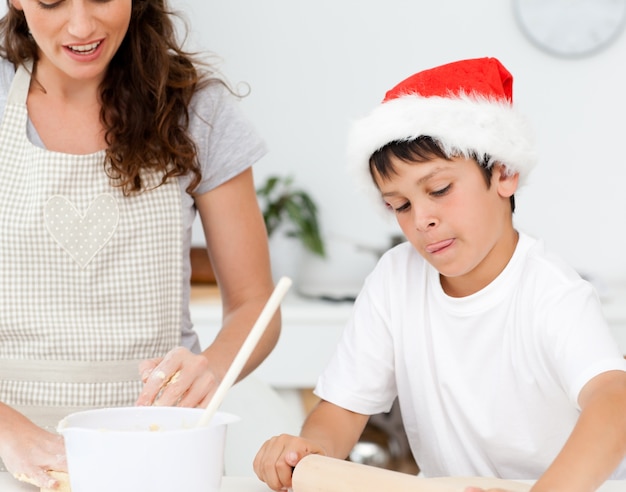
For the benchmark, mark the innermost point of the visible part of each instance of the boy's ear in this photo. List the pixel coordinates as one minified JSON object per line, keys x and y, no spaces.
{"x":506,"y":182}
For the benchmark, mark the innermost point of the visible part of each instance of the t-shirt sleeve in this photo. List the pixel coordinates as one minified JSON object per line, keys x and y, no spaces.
{"x":360,"y":375}
{"x":226,"y":140}
{"x":581,"y":343}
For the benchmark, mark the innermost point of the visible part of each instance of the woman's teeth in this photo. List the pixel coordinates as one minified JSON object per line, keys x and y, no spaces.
{"x":84,"y":49}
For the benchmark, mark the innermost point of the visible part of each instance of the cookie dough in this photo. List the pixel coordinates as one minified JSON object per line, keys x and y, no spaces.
{"x":62,"y":477}
{"x":64,"y":482}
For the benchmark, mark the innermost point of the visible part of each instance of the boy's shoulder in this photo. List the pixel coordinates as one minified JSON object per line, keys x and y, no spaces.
{"x":546,"y":276}
{"x":540,"y":260}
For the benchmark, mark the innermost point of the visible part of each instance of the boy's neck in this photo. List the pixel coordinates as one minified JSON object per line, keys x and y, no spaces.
{"x":485,"y":273}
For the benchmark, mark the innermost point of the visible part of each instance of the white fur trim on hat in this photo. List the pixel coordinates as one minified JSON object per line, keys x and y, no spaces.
{"x":461,"y":125}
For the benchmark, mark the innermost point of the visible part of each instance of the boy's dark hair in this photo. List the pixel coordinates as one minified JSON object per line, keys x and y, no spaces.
{"x":421,"y":149}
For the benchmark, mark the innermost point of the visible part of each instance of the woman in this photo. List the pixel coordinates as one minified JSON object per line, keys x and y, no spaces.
{"x":111,"y":138}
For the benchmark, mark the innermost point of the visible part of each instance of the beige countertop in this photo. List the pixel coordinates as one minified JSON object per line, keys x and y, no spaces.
{"x":244,"y":484}
{"x":229,"y":484}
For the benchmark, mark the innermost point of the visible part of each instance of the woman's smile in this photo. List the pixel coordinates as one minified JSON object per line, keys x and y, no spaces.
{"x":84,"y":49}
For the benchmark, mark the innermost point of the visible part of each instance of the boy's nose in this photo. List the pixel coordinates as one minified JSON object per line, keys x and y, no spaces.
{"x":424,"y":221}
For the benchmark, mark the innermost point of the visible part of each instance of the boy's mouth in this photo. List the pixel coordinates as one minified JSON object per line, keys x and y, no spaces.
{"x":438,"y":246}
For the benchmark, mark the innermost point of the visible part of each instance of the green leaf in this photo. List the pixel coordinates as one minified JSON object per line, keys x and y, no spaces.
{"x":280,"y":204}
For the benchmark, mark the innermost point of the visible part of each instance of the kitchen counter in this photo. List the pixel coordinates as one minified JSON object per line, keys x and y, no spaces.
{"x":244,"y":484}
{"x":229,"y":484}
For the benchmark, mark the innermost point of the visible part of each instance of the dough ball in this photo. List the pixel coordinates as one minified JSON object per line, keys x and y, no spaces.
{"x":62,"y":477}
{"x":64,"y":482}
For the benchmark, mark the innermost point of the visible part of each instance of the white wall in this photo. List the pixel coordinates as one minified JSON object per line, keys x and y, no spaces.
{"x":315,"y":66}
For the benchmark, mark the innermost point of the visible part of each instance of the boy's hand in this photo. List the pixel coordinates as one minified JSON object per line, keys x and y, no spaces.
{"x":275,"y":461}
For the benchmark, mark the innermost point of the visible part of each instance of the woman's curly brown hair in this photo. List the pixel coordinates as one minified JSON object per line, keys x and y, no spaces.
{"x":145,"y":94}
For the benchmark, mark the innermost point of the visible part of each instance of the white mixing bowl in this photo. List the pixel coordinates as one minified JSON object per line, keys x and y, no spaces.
{"x":135,"y":449}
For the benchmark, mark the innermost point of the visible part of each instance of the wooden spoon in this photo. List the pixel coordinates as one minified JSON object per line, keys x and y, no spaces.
{"x":246,"y":350}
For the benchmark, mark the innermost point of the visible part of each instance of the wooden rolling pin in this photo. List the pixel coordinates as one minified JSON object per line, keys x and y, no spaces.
{"x":315,"y":473}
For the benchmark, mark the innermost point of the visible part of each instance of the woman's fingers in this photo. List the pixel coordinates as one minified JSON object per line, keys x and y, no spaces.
{"x":180,"y":378}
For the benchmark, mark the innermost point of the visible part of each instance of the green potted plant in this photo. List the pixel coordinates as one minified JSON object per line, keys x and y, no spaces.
{"x":292,"y":210}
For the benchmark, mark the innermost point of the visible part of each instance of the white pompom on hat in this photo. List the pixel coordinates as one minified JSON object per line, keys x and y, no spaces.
{"x":466,"y":106}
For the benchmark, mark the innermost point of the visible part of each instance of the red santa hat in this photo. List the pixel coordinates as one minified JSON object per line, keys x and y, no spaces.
{"x":466,"y":106}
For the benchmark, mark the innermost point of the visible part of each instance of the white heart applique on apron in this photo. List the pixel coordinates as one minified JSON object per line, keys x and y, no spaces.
{"x":81,"y":236}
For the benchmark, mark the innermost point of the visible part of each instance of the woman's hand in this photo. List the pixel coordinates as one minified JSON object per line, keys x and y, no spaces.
{"x":275,"y":461}
{"x":181,"y":378}
{"x":28,"y":451}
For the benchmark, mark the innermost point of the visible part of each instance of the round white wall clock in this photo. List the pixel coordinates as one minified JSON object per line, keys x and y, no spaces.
{"x":571,"y":28}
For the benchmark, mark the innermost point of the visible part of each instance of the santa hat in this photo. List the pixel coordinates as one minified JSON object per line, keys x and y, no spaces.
{"x":466,"y":106}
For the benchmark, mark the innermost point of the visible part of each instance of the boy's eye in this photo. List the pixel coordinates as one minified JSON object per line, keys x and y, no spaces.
{"x":441,"y":191}
{"x":395,"y":209}
{"x":402,"y":208}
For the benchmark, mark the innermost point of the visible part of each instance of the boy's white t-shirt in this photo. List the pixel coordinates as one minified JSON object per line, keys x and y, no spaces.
{"x":487,"y":384}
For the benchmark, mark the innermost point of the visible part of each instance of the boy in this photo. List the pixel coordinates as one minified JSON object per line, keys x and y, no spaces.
{"x":497,"y":351}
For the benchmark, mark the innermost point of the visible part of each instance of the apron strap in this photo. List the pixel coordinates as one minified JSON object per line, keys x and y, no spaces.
{"x":18,"y":92}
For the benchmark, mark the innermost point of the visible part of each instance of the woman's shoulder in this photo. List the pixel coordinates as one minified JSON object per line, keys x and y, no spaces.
{"x":226,"y":139}
{"x":7,"y":69}
{"x":211,"y":96}
{"x":7,"y":73}
{"x":211,"y":106}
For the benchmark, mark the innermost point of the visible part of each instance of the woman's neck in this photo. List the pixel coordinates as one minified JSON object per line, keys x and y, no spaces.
{"x":65,"y":112}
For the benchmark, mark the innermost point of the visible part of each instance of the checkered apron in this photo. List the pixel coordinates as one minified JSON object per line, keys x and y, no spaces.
{"x":90,"y":280}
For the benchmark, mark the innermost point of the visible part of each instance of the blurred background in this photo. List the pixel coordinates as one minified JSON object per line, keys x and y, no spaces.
{"x":313,"y":67}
